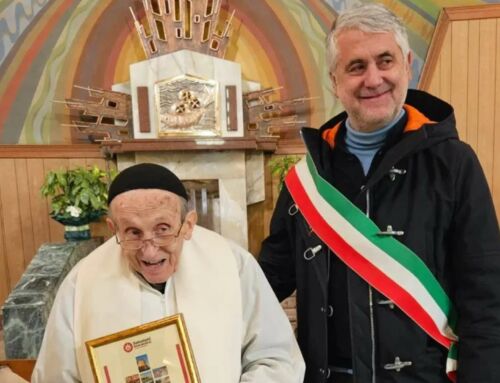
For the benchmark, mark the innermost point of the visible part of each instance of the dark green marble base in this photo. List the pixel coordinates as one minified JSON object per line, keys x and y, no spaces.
{"x":27,"y":308}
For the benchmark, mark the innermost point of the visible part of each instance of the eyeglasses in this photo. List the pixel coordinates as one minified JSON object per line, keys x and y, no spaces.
{"x":157,"y":240}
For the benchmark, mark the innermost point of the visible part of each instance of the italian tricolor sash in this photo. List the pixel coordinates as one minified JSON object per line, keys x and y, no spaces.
{"x":383,"y":262}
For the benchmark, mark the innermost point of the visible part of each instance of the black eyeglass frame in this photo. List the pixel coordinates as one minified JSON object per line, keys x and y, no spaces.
{"x":168,"y":237}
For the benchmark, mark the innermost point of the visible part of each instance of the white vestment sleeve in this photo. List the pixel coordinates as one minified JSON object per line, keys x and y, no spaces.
{"x":56,"y":361}
{"x":270,"y":352}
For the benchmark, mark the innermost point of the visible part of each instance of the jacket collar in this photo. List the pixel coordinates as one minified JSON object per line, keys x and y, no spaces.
{"x":415,"y":120}
{"x":429,"y":121}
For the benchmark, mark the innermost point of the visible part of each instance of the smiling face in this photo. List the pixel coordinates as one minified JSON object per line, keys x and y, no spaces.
{"x":371,"y":78}
{"x":144,"y":214}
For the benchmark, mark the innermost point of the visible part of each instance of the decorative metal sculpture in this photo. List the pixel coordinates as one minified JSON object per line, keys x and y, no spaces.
{"x":106,"y":116}
{"x":185,"y":105}
{"x":173,"y":25}
{"x":267,"y":117}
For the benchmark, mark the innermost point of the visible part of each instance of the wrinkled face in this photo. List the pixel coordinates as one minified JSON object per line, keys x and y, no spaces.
{"x":144,"y":214}
{"x":371,"y":78}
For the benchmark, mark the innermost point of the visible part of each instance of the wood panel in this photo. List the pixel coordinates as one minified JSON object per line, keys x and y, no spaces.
{"x":472,"y":84}
{"x":463,"y":67}
{"x":24,"y":210}
{"x":486,"y":110}
{"x":259,"y":214}
{"x":56,"y":230}
{"x":496,"y":124}
{"x":38,"y":206}
{"x":458,"y":77}
{"x":435,"y":82}
{"x":13,"y":247}
{"x":24,"y":214}
{"x":446,"y":17}
{"x":445,"y":69}
{"x":22,"y":367}
{"x":4,"y":267}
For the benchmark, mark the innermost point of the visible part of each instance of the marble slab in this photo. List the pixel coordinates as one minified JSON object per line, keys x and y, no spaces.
{"x":27,"y":308}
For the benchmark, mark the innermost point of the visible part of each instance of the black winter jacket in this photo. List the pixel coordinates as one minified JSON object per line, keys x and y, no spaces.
{"x":428,"y":184}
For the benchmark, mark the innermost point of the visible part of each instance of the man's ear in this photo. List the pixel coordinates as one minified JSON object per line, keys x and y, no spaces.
{"x":409,"y":62}
{"x":333,"y":79}
{"x":189,"y":224}
{"x":111,"y":225}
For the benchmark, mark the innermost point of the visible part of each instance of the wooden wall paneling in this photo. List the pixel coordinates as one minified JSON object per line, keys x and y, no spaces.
{"x":434,"y":84}
{"x":96,"y":161}
{"x":4,"y":267}
{"x":50,"y":151}
{"x":13,"y":244}
{"x":255,"y":214}
{"x":24,"y":209}
{"x":445,"y":69}
{"x":486,"y":111}
{"x":56,"y":230}
{"x":258,"y":214}
{"x":473,"y":12}
{"x":473,"y":84}
{"x":459,"y":69}
{"x":496,"y":153}
{"x":38,"y":206}
{"x":431,"y":65}
{"x":446,"y":16}
{"x":100,"y":228}
{"x":87,"y":162}
{"x":77,"y":162}
{"x":272,"y":190}
{"x":101,"y":162}
{"x":25,"y":223}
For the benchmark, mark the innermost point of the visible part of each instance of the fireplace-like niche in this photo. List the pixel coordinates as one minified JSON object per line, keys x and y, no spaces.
{"x":205,"y":199}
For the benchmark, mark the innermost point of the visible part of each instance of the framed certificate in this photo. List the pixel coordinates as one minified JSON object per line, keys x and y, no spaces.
{"x":155,"y":352}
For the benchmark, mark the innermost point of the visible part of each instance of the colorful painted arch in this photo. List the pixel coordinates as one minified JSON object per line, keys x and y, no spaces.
{"x":56,"y":44}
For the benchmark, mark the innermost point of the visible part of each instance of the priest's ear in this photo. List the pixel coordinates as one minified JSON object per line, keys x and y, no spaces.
{"x":189,"y":224}
{"x":111,"y":224}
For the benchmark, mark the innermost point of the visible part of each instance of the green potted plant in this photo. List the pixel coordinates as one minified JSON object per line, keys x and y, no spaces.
{"x":280,"y":167}
{"x":78,"y":197}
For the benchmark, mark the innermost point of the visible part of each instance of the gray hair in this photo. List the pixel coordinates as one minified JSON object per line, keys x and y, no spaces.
{"x":370,"y":18}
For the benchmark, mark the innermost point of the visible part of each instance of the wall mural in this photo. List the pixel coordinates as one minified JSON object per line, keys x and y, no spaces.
{"x":49,"y":46}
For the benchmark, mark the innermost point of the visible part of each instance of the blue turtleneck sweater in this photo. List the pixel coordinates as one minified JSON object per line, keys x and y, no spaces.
{"x":366,"y":145}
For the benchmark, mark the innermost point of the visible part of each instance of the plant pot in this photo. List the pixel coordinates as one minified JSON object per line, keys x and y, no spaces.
{"x":76,"y":233}
{"x":77,"y":228}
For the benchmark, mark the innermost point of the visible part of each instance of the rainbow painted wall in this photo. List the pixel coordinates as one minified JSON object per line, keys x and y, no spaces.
{"x":47,"y":46}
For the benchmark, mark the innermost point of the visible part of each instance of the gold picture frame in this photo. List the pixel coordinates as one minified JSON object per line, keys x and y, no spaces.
{"x":155,"y":352}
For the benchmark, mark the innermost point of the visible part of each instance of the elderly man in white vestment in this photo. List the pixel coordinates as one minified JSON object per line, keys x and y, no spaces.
{"x":160,"y":263}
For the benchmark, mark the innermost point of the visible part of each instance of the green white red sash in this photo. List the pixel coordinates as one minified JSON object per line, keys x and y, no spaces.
{"x":385,"y":263}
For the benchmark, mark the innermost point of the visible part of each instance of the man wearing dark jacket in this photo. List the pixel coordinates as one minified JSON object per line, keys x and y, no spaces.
{"x":387,"y":228}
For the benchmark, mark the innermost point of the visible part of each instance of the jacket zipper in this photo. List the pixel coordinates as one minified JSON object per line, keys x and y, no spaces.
{"x":370,"y":300}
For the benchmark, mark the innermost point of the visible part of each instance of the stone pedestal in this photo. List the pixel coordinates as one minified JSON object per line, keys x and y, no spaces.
{"x":27,"y":308}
